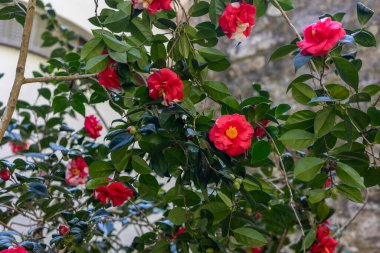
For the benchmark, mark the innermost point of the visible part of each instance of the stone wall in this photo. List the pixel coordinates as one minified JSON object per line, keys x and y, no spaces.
{"x":250,"y":65}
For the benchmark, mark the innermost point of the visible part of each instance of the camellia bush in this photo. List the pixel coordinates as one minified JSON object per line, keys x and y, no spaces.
{"x":186,"y":167}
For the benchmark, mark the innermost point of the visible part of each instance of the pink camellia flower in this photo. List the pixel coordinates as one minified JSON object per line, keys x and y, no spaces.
{"x":115,"y":192}
{"x":259,"y":131}
{"x":237,"y":20}
{"x":167,"y":84}
{"x":17,"y":148}
{"x":77,"y":172}
{"x":321,"y":37}
{"x":109,"y":77}
{"x":232,"y":134}
{"x":152,"y":5}
{"x":5,"y":174}
{"x":16,"y":249}
{"x":92,"y":126}
{"x":179,"y":231}
{"x":63,"y":229}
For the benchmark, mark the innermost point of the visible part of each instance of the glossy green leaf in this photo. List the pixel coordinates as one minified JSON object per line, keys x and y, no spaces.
{"x":307,"y":168}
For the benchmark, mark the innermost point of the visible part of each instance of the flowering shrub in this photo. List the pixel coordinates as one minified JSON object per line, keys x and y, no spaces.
{"x":240,"y":176}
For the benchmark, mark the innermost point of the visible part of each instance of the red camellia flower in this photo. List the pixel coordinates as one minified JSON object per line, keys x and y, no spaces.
{"x":77,"y":172}
{"x":237,"y":20}
{"x":232,"y":134}
{"x":109,"y":77}
{"x":327,"y":184}
{"x":5,"y":174}
{"x":166,"y":84}
{"x":16,"y":148}
{"x":115,"y":192}
{"x":152,"y":5}
{"x":257,"y":249}
{"x":179,"y":231}
{"x":259,"y":131}
{"x":63,"y":229}
{"x":324,"y":243}
{"x":92,"y":126}
{"x":17,"y":249}
{"x":321,"y":37}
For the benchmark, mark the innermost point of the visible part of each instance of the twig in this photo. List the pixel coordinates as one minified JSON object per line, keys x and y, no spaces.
{"x":282,"y":240}
{"x":101,"y":117}
{"x":283,"y":13}
{"x":340,"y":231}
{"x":20,"y":70}
{"x":46,"y":79}
{"x":291,"y":197}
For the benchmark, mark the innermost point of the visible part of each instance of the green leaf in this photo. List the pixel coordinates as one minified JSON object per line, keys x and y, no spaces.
{"x":307,"y":168}
{"x":226,"y":200}
{"x":297,"y":139}
{"x":303,"y":93}
{"x":349,"y":176}
{"x":211,"y":54}
{"x":199,"y":9}
{"x":377,"y":138}
{"x":216,"y":90}
{"x":249,"y":237}
{"x":100,"y":169}
{"x":115,"y":44}
{"x":371,"y":89}
{"x":364,"y":13}
{"x":310,"y":238}
{"x":97,"y":64}
{"x":216,"y":9}
{"x":301,"y":120}
{"x":261,"y":7}
{"x":260,"y":151}
{"x":282,"y":51}
{"x":365,"y":39}
{"x":177,"y":215}
{"x":338,"y":91}
{"x":316,"y":195}
{"x":359,"y":118}
{"x":140,"y":165}
{"x":360,"y":97}
{"x":96,"y":182}
{"x":184,"y":46}
{"x":351,"y":193}
{"x":92,"y":48}
{"x":60,"y":103}
{"x":141,"y":30}
{"x":324,"y":121}
{"x":347,"y":71}
{"x":374,"y":115}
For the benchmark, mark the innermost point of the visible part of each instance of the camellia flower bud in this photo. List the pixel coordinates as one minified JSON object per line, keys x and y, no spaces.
{"x":63,"y":229}
{"x":5,"y":175}
{"x":131,"y":129}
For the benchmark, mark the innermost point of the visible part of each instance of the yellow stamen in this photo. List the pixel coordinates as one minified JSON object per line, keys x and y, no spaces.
{"x":232,"y":133}
{"x":75,"y":171}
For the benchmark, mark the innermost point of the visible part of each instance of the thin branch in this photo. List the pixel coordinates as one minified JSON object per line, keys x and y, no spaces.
{"x":291,"y":197}
{"x":283,"y":13}
{"x":47,"y":79}
{"x":20,"y":70}
{"x":101,"y":117}
{"x":282,"y":240}
{"x":340,"y":231}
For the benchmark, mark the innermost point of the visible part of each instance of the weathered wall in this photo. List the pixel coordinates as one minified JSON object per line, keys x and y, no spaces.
{"x":250,"y":64}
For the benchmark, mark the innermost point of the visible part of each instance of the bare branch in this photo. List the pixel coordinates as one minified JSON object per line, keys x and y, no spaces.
{"x":283,"y":13}
{"x":46,"y":79}
{"x":20,"y":70}
{"x":340,"y":231}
